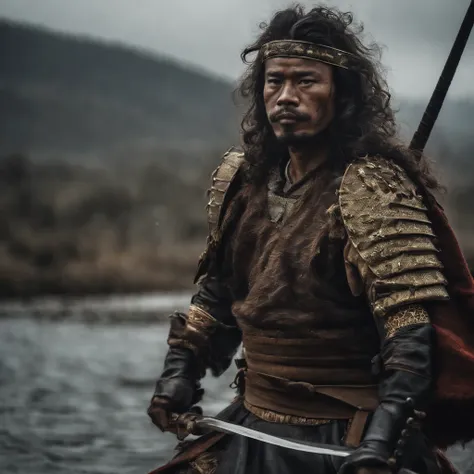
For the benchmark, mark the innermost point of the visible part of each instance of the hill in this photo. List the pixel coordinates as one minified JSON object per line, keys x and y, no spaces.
{"x":77,"y":98}
{"x":74,"y":97}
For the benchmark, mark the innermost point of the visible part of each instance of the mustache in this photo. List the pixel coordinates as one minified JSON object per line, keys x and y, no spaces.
{"x":288,"y":113}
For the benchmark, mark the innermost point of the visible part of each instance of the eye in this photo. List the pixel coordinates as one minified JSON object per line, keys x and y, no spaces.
{"x":307,"y":81}
{"x":273,"y":80}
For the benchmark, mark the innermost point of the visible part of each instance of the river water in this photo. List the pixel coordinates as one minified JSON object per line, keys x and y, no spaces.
{"x":75,"y":382}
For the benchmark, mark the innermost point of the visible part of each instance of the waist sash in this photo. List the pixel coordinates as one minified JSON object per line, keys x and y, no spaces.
{"x":287,"y":381}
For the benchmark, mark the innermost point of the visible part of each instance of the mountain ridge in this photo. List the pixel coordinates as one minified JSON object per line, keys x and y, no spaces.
{"x":106,"y":94}
{"x":82,"y":99}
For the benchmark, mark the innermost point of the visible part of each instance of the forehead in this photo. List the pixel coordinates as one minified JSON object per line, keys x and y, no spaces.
{"x":294,"y":65}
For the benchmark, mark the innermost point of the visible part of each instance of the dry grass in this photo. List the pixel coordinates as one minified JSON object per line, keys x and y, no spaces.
{"x":69,"y":230}
{"x":72,"y":230}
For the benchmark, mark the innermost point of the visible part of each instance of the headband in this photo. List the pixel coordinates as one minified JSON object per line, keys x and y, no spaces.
{"x":307,"y":50}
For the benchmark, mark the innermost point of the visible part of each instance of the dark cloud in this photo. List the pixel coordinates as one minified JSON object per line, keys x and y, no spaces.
{"x":417,"y":35}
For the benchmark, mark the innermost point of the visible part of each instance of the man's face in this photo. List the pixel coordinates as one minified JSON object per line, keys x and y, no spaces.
{"x":299,"y":98}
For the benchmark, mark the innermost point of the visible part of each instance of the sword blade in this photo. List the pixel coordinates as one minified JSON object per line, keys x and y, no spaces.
{"x":230,"y":428}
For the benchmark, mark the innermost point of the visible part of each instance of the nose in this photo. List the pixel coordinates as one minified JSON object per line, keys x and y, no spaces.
{"x":288,"y":95}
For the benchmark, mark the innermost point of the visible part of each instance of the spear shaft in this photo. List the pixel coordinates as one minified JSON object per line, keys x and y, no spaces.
{"x":433,"y":108}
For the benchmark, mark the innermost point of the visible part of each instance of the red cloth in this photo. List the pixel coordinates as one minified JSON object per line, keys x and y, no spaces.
{"x":451,"y":418}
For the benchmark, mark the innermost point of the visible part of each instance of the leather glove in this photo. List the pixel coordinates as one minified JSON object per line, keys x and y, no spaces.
{"x":406,"y":382}
{"x":178,"y":388}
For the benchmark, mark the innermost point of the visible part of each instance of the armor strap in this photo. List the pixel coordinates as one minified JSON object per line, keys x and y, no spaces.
{"x":356,"y":428}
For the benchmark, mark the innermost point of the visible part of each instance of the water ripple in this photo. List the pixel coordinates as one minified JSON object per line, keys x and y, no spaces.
{"x":74,"y":397}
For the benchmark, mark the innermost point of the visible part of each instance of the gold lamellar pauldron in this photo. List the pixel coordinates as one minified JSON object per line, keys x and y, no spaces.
{"x":391,"y":239}
{"x":222,"y":177}
{"x":405,"y":316}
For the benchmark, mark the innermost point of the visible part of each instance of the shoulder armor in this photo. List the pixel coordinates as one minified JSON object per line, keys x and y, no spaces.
{"x":222,"y":178}
{"x":386,"y":221}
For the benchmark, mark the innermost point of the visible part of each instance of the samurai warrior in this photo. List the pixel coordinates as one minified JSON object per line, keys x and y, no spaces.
{"x":330,"y":260}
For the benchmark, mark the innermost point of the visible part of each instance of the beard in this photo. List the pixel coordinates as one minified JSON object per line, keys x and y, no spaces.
{"x":293,"y":139}
{"x":290,"y":136}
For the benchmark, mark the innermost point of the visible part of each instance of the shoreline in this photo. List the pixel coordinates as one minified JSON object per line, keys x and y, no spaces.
{"x":134,"y":308}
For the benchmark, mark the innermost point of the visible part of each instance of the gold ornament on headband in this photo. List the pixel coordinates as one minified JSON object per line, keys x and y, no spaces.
{"x":307,"y":50}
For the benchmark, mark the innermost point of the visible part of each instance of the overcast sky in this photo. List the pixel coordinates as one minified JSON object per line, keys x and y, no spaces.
{"x":417,"y":34}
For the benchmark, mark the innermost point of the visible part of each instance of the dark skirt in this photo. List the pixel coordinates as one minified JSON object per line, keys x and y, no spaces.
{"x":232,"y":454}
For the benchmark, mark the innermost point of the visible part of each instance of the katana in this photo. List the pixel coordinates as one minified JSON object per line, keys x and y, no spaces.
{"x":198,"y":425}
{"x":192,"y":423}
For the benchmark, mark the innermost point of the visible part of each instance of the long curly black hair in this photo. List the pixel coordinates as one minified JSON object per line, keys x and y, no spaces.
{"x":364,"y":121}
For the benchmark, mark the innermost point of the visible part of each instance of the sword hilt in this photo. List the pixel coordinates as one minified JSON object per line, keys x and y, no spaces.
{"x":184,"y":424}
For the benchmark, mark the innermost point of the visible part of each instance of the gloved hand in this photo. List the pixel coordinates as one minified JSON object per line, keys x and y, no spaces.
{"x":405,"y":383}
{"x":166,"y":418}
{"x":178,"y":388}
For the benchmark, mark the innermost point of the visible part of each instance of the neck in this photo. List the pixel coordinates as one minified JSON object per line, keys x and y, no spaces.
{"x":306,"y":158}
